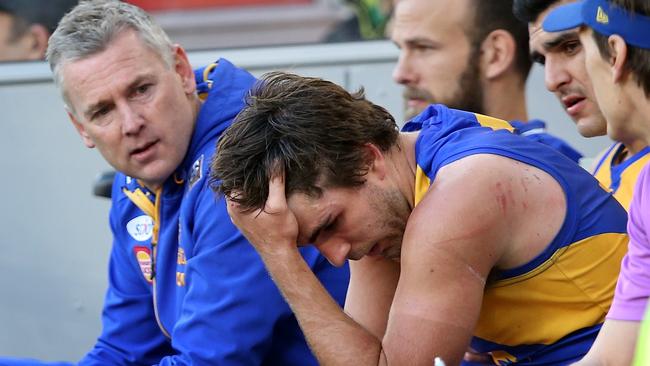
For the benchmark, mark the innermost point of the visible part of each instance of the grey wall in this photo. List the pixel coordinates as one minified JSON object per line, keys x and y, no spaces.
{"x":54,"y":235}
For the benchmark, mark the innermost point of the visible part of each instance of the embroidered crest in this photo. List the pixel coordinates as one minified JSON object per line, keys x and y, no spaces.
{"x":143,"y":256}
{"x":196,"y":172}
{"x":140,"y":228}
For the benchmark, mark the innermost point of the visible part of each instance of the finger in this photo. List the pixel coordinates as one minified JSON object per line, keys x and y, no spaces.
{"x":276,"y":198}
{"x":233,"y":207}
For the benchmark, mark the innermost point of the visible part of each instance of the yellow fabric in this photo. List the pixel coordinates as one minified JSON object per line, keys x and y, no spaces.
{"x":560,"y":293}
{"x":493,"y":123}
{"x":629,"y":176}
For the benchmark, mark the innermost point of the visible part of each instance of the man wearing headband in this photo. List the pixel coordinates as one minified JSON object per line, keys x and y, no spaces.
{"x":565,"y":75}
{"x":616,"y":37}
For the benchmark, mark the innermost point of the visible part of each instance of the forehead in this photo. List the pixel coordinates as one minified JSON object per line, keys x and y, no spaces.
{"x":307,"y":206}
{"x":124,"y":60}
{"x":586,"y":37}
{"x":309,"y":211}
{"x":424,"y":18}
{"x":537,"y":35}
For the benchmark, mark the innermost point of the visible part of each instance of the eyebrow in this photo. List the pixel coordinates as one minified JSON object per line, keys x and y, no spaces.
{"x":88,"y":113}
{"x":318,"y":229}
{"x":415,"y":41}
{"x":560,"y":39}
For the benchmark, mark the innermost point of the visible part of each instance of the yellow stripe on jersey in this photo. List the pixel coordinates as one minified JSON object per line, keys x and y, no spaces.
{"x":502,"y":358}
{"x":493,"y":123}
{"x":141,"y":200}
{"x":560,"y":292}
{"x":422,"y":183}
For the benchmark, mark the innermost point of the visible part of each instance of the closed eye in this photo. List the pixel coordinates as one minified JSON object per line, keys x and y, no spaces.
{"x":326,"y":230}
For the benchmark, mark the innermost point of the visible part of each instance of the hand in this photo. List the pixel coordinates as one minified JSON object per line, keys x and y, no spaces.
{"x":477,"y":358}
{"x":272,"y":229}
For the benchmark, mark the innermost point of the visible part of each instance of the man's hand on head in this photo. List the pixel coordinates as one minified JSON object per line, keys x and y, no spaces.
{"x":272,"y":229}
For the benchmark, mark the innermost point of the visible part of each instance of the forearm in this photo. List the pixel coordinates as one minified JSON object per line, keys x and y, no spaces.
{"x":614,"y":344}
{"x":334,"y":337}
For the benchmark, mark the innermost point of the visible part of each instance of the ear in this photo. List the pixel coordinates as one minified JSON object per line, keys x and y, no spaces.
{"x":184,"y":69}
{"x":38,"y":36}
{"x":497,"y":53}
{"x":376,"y":160}
{"x":80,"y":129}
{"x":618,"y":57}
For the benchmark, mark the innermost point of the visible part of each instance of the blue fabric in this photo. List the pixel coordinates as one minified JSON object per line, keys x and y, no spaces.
{"x":604,"y":18}
{"x":213,"y":294}
{"x":536,"y":130}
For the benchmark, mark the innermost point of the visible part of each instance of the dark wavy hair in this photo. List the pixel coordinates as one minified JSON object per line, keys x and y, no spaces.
{"x":527,"y":11}
{"x":310,"y":129}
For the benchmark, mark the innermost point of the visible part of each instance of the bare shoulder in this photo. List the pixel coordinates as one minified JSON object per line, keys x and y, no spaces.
{"x":489,"y":210}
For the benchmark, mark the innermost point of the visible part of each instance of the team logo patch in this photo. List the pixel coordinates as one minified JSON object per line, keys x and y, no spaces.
{"x":197,"y":171}
{"x":143,"y":256}
{"x":601,"y":16}
{"x":140,"y":228}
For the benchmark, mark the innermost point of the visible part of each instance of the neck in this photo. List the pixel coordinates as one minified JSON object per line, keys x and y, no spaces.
{"x":402,"y":160}
{"x":639,"y":115}
{"x":505,"y":98}
{"x":633,"y":147}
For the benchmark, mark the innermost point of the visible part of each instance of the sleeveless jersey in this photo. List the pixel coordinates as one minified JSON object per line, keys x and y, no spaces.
{"x":548,"y":311}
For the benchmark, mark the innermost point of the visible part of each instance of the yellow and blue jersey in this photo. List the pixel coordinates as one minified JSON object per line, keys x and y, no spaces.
{"x":620,"y":178}
{"x":548,"y":311}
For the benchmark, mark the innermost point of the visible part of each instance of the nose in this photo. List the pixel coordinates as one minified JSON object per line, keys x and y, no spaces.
{"x":335,"y":251}
{"x":555,"y":75}
{"x":403,"y":72}
{"x":132,"y":120}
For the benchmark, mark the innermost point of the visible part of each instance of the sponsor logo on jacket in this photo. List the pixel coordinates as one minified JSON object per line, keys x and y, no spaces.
{"x":140,"y":228}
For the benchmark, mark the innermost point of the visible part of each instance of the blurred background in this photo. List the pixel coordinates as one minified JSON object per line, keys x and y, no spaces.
{"x":54,"y":235}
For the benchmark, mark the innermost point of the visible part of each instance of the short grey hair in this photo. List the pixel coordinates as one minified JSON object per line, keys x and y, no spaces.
{"x":93,"y":24}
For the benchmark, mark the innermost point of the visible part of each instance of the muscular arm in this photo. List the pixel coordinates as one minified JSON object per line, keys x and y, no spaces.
{"x":372,"y":286}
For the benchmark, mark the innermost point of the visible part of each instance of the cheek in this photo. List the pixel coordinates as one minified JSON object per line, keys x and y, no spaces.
{"x":107,"y":142}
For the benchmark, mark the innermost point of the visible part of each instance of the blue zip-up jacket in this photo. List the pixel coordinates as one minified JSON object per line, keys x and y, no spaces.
{"x":200,"y":295}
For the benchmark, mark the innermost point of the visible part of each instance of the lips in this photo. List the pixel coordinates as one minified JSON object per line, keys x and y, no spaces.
{"x":143,"y":151}
{"x":573,"y":104}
